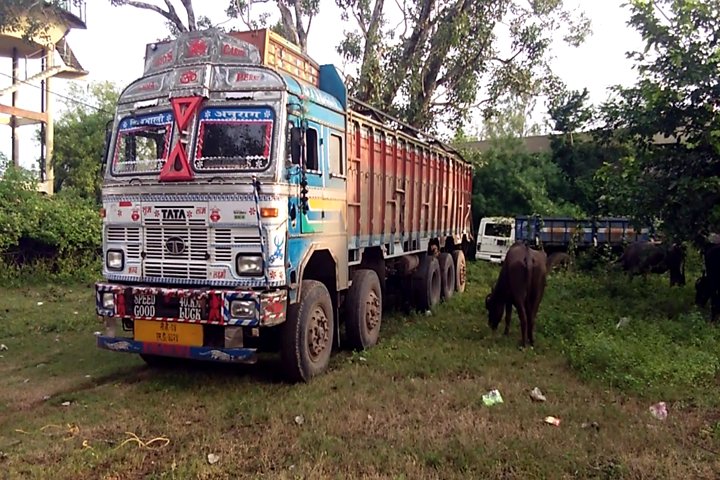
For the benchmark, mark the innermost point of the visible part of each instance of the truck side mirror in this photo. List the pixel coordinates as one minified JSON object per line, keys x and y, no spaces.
{"x":295,"y":144}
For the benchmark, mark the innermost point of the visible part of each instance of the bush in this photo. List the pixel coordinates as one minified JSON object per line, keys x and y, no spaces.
{"x":45,"y":237}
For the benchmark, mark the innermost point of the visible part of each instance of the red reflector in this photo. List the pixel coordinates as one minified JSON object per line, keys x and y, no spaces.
{"x":126,"y":204}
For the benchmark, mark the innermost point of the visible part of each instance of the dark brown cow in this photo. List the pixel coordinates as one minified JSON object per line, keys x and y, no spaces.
{"x":641,"y":258}
{"x":521,"y":283}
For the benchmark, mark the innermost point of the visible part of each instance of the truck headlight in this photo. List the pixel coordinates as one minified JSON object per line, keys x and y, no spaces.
{"x":114,"y":259}
{"x":108,"y":300}
{"x":242,"y":309}
{"x":249,"y":264}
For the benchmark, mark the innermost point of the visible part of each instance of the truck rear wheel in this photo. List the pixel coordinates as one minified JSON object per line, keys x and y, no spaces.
{"x":427,"y":283}
{"x":307,"y":335}
{"x":363,"y":310}
{"x":559,"y":259}
{"x":460,"y":270}
{"x":447,"y":275}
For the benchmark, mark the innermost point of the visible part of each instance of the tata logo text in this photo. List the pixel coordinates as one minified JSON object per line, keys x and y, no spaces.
{"x":173,"y":214}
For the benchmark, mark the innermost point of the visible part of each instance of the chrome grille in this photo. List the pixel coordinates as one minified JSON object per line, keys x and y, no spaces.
{"x":130,"y":236}
{"x":224,"y":239}
{"x":191,"y":263}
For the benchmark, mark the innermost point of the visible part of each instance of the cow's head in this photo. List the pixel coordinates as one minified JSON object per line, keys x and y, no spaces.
{"x":495,"y":310}
{"x":702,"y":291}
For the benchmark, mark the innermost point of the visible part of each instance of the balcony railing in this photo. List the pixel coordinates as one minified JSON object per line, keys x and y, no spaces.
{"x":73,"y":7}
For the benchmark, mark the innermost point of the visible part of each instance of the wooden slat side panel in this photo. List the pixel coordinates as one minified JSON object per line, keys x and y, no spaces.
{"x":403,"y":190}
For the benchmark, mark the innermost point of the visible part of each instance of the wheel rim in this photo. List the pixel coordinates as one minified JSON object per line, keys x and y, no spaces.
{"x":462,"y":273}
{"x":372,"y":311}
{"x":319,"y":333}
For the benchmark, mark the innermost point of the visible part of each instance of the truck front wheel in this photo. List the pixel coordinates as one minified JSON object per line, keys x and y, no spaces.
{"x":363,"y":310}
{"x":307,"y":334}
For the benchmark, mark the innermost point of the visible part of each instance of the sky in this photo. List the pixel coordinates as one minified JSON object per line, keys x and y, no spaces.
{"x":113,"y":46}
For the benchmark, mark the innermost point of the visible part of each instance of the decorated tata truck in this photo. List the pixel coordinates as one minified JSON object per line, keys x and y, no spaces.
{"x":557,"y":235}
{"x":250,"y":205}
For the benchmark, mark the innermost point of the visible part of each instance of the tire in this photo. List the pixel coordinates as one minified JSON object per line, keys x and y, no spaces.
{"x":460,"y":270}
{"x":363,"y":310}
{"x":311,"y":316}
{"x":427,"y":284}
{"x":558,"y":259}
{"x":447,"y":275}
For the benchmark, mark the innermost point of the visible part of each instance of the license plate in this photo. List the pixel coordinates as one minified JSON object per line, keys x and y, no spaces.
{"x":186,"y":334}
{"x":182,"y":308}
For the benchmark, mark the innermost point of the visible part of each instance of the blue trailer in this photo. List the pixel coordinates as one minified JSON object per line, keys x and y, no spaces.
{"x":556,"y":235}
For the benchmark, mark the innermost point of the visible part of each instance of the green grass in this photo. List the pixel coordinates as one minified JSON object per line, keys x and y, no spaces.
{"x":409,"y":408}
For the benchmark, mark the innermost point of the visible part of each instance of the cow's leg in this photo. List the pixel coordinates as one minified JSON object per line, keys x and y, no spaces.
{"x":522,"y":315}
{"x":535,"y":306}
{"x":714,"y":305}
{"x":508,"y":314}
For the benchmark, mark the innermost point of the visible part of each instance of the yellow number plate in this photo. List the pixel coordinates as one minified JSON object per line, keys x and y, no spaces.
{"x":187,"y":334}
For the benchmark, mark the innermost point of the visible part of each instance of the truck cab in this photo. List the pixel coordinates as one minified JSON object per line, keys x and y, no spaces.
{"x":494,"y":238}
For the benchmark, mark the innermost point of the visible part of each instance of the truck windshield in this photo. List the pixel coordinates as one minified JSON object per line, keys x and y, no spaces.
{"x":234,"y":139}
{"x":143,"y":143}
{"x":497,"y":230}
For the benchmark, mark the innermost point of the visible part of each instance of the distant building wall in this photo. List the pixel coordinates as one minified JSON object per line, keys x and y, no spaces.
{"x":541,"y":143}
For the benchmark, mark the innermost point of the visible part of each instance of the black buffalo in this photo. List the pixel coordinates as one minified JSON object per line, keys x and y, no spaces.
{"x":641,"y":258}
{"x":521,"y":283}
{"x":707,"y":287}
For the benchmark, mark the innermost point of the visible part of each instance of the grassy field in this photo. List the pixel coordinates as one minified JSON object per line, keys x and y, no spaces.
{"x":409,"y":408}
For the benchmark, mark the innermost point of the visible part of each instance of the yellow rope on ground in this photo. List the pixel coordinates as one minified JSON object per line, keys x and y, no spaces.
{"x":142,"y":444}
{"x":71,"y":429}
{"x":74,"y":430}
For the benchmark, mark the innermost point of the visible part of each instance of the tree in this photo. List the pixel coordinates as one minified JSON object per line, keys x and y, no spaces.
{"x":171,"y":15}
{"x":32,"y":17}
{"x":80,"y":139}
{"x":296,"y":17}
{"x":676,"y":96}
{"x":446,"y":54}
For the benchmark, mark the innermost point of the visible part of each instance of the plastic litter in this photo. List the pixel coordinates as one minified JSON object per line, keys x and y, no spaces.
{"x":537,"y":395}
{"x":659,"y":411}
{"x":492,"y":398}
{"x":212,"y":458}
{"x":3,"y":347}
{"x":623,"y":321}
{"x":299,"y":419}
{"x":552,"y":421}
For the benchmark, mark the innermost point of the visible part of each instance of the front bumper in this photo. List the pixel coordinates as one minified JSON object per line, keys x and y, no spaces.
{"x":225,"y":355}
{"x":270,"y":306}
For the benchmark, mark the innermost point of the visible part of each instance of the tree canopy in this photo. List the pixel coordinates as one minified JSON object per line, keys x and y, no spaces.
{"x":676,"y":96}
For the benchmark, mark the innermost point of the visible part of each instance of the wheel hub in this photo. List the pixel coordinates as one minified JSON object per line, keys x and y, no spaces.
{"x":463,"y":274}
{"x":372,"y":311}
{"x":319,"y":332}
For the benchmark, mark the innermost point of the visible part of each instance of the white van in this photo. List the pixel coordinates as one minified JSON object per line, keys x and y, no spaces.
{"x":494,"y":238}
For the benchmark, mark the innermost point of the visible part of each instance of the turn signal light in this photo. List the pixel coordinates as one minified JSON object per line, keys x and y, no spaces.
{"x":268,"y":212}
{"x":102,"y":213}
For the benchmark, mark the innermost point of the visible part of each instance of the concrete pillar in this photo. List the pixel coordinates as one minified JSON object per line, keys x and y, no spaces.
{"x":49,"y":127}
{"x":13,"y":120}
